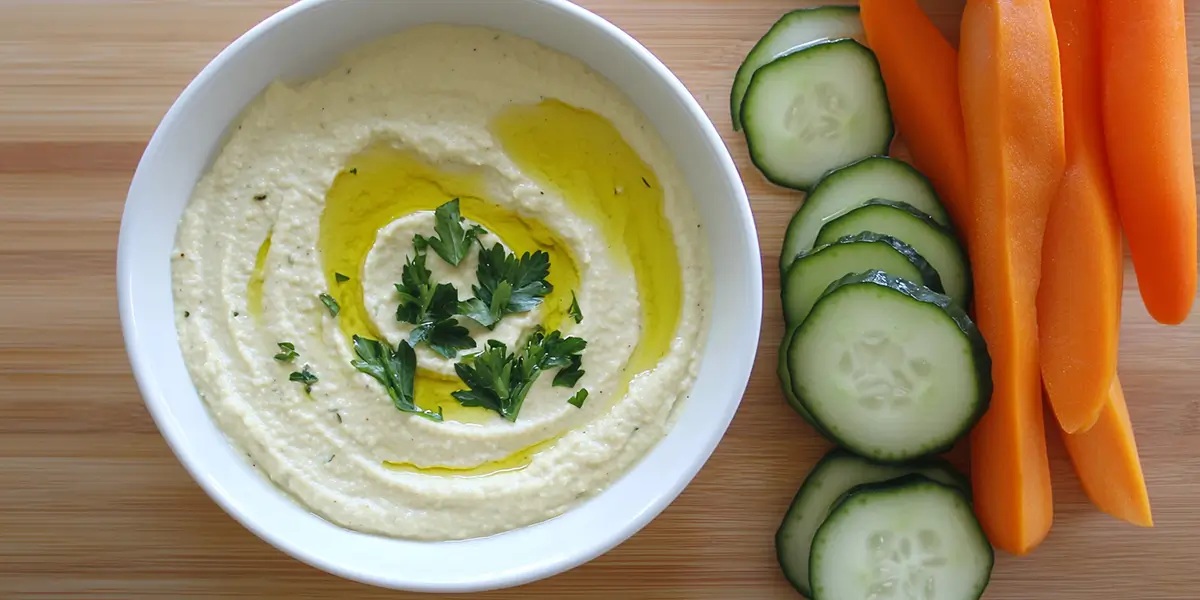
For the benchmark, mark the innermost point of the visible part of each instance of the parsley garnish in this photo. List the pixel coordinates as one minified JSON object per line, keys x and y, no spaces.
{"x":452,"y":241}
{"x":395,"y":369}
{"x":330,"y":303}
{"x":501,"y":273}
{"x":287,"y":352}
{"x":431,"y":308}
{"x":341,"y":278}
{"x":500,"y":380}
{"x":574,"y":311}
{"x":578,"y":399}
{"x":305,"y":376}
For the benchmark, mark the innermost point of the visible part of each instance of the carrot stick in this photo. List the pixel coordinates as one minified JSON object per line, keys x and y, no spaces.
{"x":1148,"y":126}
{"x":1012,"y":111}
{"x":920,"y":69}
{"x":1106,"y":461}
{"x":1079,"y":301}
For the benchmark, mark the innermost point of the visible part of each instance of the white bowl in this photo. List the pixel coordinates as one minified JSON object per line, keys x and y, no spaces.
{"x":301,"y":42}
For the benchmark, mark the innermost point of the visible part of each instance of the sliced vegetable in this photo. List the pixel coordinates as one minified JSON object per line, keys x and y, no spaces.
{"x":920,"y":69}
{"x":835,"y":474}
{"x":1148,"y":132}
{"x":890,"y":370}
{"x":785,"y":381}
{"x":915,"y":228}
{"x":1079,"y":300}
{"x":793,"y":31}
{"x":813,"y":271}
{"x":850,"y":187}
{"x":906,"y":538}
{"x":1106,"y":461}
{"x":1012,"y":112}
{"x":815,"y":109}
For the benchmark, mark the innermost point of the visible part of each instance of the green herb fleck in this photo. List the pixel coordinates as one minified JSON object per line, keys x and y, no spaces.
{"x":354,"y":171}
{"x":330,"y":303}
{"x":574,"y":311}
{"x":645,"y":182}
{"x":452,"y":241}
{"x":569,"y":375}
{"x":579,"y":398}
{"x":526,"y":284}
{"x":500,"y":380}
{"x":305,"y":376}
{"x":186,"y":314}
{"x":395,"y":369}
{"x":287,"y":352}
{"x":341,"y":278}
{"x":260,"y":197}
{"x":431,"y":308}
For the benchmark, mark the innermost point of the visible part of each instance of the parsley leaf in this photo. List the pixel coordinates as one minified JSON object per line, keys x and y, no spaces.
{"x":500,"y":380}
{"x":574,"y":311}
{"x":341,"y":278}
{"x":452,"y":241}
{"x":431,"y":308}
{"x":395,"y":369}
{"x":500,"y":274}
{"x":578,"y":399}
{"x":305,"y":376}
{"x":569,"y":376}
{"x":287,"y":352}
{"x":330,"y":303}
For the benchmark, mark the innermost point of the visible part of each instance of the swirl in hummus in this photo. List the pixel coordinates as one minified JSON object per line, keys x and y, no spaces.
{"x":321,"y":190}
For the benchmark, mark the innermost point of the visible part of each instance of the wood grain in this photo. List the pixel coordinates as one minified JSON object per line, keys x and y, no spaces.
{"x":93,"y":504}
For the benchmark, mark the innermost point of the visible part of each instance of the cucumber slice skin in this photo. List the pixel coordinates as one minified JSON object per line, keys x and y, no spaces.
{"x":949,"y":509}
{"x":935,"y":242}
{"x":852,"y":186}
{"x":836,"y":474}
{"x":813,"y":271}
{"x":873,"y":114}
{"x":915,"y":442}
{"x":794,"y":30}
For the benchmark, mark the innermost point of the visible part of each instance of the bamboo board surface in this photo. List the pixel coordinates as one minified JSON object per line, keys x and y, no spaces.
{"x":92,"y":502}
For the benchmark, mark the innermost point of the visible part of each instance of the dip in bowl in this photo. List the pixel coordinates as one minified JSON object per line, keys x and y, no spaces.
{"x":388,"y":281}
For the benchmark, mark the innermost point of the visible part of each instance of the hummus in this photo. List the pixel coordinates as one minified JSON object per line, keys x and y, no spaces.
{"x":320,"y":190}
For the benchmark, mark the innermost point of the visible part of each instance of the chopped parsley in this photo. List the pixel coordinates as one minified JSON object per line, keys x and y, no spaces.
{"x":507,"y":284}
{"x":330,"y":303}
{"x":574,"y":311}
{"x":305,"y":376}
{"x":287,"y":352}
{"x":260,"y":197}
{"x":354,"y":171}
{"x":500,"y":380}
{"x":452,"y":241}
{"x":395,"y":369}
{"x":341,"y":278}
{"x":431,"y":308}
{"x":579,"y":398}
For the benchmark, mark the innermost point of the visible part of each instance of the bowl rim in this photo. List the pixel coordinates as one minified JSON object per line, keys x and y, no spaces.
{"x":158,"y":405}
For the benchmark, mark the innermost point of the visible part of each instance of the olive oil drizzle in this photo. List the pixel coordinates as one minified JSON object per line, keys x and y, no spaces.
{"x":576,"y":153}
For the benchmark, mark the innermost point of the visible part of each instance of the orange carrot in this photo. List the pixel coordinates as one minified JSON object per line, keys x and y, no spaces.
{"x":1012,"y":112}
{"x":1079,"y":301}
{"x":920,"y":69}
{"x":1148,"y":126}
{"x":1106,"y":461}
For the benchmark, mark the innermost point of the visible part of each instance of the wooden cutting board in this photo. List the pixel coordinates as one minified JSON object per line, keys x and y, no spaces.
{"x":93,"y":503}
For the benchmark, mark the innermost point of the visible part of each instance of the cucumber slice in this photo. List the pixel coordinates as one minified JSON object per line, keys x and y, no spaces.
{"x":816,"y":109}
{"x":906,"y":538}
{"x":791,"y":32}
{"x":915,"y":228}
{"x":834,"y":475}
{"x":814,"y":270}
{"x":891,"y":370}
{"x":850,"y":187}
{"x":785,"y":381}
